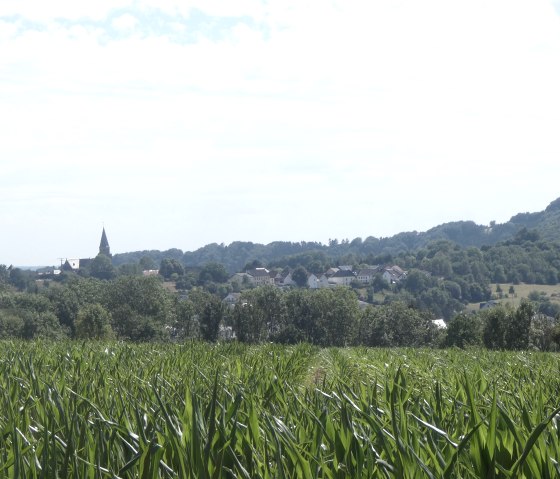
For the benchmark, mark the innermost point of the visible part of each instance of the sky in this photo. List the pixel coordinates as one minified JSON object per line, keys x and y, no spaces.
{"x":175,"y":124}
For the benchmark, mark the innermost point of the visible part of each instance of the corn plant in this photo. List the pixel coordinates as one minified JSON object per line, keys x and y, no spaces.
{"x":116,"y":410}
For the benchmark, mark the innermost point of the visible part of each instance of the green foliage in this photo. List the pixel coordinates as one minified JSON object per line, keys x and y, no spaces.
{"x":4,"y":277}
{"x":101,"y":267}
{"x":519,"y":324}
{"x":259,"y":314}
{"x":20,"y":279}
{"x":11,"y":324}
{"x":395,"y":324}
{"x":229,"y":410}
{"x":67,"y":299}
{"x":186,"y":324}
{"x":42,"y":325}
{"x":210,"y":311}
{"x":140,"y":307}
{"x":495,"y":323}
{"x":93,"y":322}
{"x":170,"y":267}
{"x":464,"y":330}
{"x":215,"y":272}
{"x":299,"y":275}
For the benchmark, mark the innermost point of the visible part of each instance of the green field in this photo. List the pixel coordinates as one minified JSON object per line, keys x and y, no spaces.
{"x":107,"y":410}
{"x":522,"y":291}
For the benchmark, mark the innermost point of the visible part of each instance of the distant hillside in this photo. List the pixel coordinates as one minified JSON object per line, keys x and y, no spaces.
{"x":465,"y":233}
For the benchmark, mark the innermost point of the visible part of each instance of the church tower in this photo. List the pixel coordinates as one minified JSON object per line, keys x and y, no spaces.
{"x":104,"y":245}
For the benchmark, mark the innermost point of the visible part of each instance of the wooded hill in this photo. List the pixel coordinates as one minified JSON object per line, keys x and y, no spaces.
{"x":544,"y":225}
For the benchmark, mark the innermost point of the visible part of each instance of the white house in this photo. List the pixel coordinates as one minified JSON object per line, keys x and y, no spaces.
{"x":366,"y":275}
{"x":439,"y":323}
{"x":312,"y":281}
{"x":393,"y":274}
{"x":286,"y":279}
{"x":342,"y":278}
{"x":323,"y":281}
{"x":73,"y":263}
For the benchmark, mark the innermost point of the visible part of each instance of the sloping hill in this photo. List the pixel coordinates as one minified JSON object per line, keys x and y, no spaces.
{"x":465,"y":233}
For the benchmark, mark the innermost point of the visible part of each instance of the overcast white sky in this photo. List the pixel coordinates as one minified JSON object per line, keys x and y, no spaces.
{"x":182,"y":123}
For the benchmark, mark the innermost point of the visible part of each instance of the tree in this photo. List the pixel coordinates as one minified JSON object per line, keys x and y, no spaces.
{"x":129,"y":324}
{"x":11,"y":324}
{"x":141,"y":307}
{"x":168,"y":267}
{"x":210,"y":311}
{"x":130,"y":269}
{"x":336,"y":316}
{"x":94,"y":322}
{"x":253,"y":264}
{"x":43,"y":325}
{"x":394,"y":324}
{"x":494,"y":324}
{"x":259,"y":314}
{"x":147,"y":263}
{"x":186,"y":325}
{"x":300,"y":317}
{"x":4,"y":277}
{"x":541,"y":333}
{"x":379,"y":283}
{"x":299,"y":275}
{"x":517,"y":331}
{"x":19,"y":278}
{"x":215,"y":272}
{"x":417,"y":281}
{"x":374,"y":328}
{"x":464,"y":330}
{"x":101,"y":267}
{"x":66,"y":300}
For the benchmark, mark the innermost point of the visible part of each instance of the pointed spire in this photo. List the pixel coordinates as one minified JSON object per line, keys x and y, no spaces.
{"x":104,"y":245}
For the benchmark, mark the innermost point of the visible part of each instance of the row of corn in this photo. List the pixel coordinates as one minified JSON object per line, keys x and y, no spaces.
{"x":115,"y":410}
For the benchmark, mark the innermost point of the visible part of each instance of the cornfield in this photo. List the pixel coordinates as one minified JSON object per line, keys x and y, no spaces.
{"x":114,"y":410}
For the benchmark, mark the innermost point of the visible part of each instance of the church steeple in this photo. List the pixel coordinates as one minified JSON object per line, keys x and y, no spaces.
{"x":104,"y":245}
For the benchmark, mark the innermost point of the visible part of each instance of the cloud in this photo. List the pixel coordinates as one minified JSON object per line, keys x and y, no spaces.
{"x":125,"y":22}
{"x":241,"y":113}
{"x":60,"y":9}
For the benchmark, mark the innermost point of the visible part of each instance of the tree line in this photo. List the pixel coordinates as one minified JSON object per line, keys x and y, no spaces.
{"x":139,"y":308}
{"x":465,"y":234}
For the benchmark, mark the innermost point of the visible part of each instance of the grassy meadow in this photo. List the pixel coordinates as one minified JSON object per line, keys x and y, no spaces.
{"x":108,"y":410}
{"x":521,"y":292}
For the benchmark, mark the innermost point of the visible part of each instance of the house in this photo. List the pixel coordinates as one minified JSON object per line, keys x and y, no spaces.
{"x":323,"y":281}
{"x":312,"y":281}
{"x":71,"y":264}
{"x":284,"y":278}
{"x":345,"y":267}
{"x":366,"y":275}
{"x":232,"y":299}
{"x":150,"y":272}
{"x":439,"y":323}
{"x":342,"y":278}
{"x":331,"y":271}
{"x":260,"y":276}
{"x":393,"y":274}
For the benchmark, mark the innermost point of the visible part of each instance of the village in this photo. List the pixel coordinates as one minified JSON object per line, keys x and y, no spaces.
{"x":343,"y":275}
